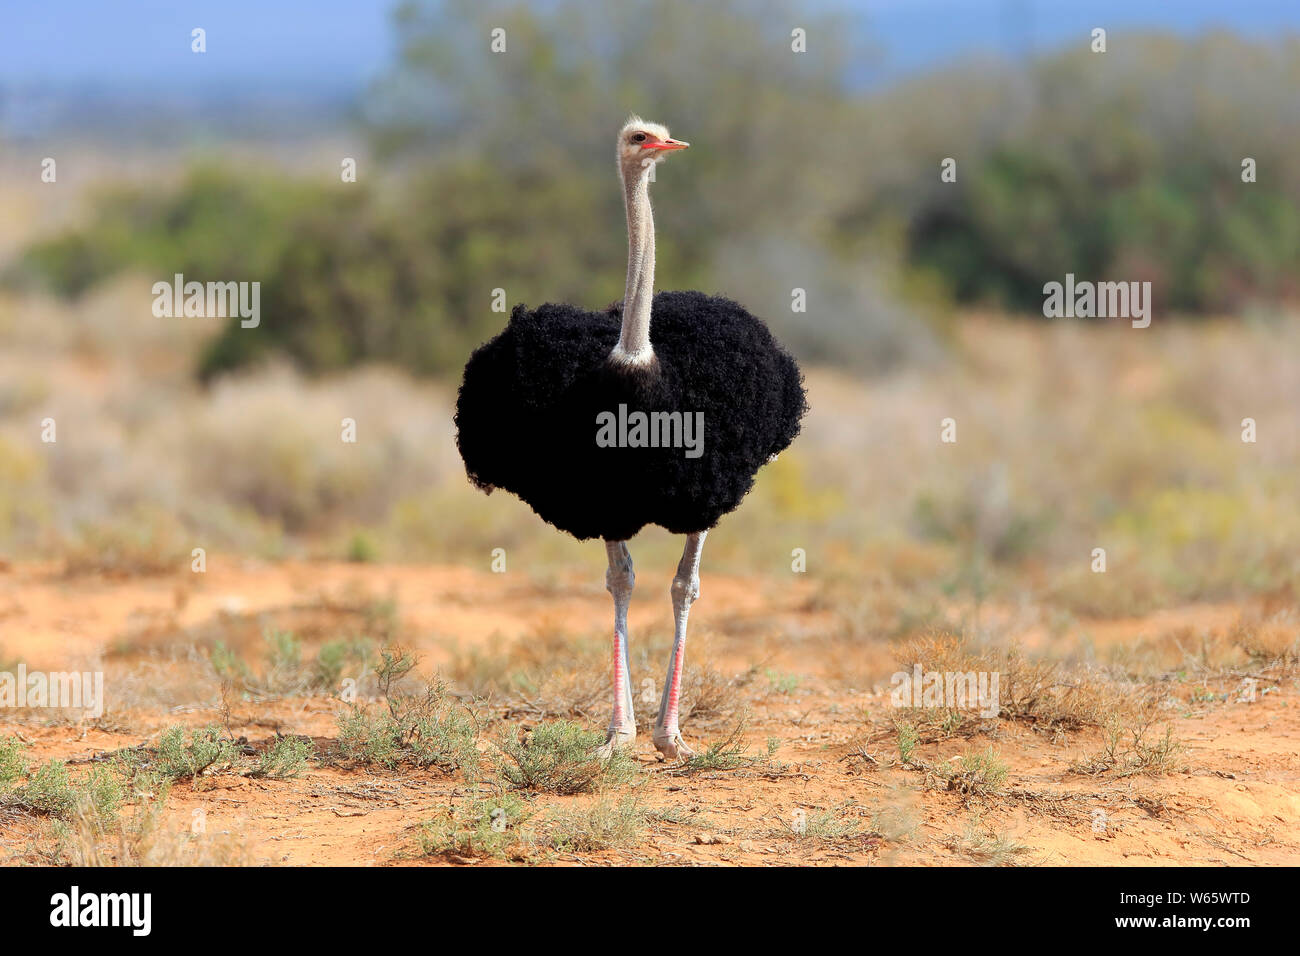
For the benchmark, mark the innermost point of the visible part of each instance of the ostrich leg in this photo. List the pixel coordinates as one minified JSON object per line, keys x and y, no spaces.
{"x":686,"y":588}
{"x":618,"y":581}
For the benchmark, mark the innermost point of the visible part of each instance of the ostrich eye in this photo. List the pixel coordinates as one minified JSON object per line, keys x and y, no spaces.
{"x":638,"y":138}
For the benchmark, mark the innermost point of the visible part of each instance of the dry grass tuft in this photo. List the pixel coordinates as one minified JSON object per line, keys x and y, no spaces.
{"x":1134,"y":747}
{"x":1045,"y":695}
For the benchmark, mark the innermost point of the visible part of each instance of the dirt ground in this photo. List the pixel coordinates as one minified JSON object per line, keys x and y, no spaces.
{"x":1233,"y":800}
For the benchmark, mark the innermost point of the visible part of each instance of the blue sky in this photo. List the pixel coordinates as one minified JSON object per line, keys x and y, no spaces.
{"x":332,"y":46}
{"x":917,"y":34}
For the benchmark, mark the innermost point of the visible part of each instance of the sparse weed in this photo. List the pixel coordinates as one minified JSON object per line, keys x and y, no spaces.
{"x":13,"y":763}
{"x":335,"y":657}
{"x":895,"y":823}
{"x":142,"y":839}
{"x":494,"y":826}
{"x":605,"y":823}
{"x":175,"y":759}
{"x":908,"y":738}
{"x":1039,"y":693}
{"x":424,"y":731}
{"x":285,"y":670}
{"x":50,"y":789}
{"x":730,"y":753}
{"x":828,"y":824}
{"x":284,"y":758}
{"x":977,"y":774}
{"x":559,"y":757}
{"x":782,"y":683}
{"x":1274,"y":641}
{"x":987,"y":846}
{"x":1129,"y":748}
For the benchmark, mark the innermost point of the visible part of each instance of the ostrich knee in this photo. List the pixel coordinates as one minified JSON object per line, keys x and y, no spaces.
{"x":619,"y":578}
{"x":685,"y":591}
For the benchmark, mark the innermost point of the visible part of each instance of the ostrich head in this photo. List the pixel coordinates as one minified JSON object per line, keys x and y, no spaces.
{"x":642,"y":144}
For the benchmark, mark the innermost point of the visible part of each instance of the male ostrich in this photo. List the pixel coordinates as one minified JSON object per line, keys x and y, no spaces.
{"x":534,"y":398}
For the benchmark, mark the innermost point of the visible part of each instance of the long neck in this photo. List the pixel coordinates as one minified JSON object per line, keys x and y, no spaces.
{"x":634,"y":341}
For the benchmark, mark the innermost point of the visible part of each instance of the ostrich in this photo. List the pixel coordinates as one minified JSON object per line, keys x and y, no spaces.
{"x":536,"y":406}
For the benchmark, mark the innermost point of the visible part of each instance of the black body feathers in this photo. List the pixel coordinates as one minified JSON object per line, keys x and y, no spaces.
{"x":526,"y":415}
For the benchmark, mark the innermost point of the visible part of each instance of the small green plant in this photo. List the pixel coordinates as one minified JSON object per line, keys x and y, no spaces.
{"x":178,"y":760}
{"x":986,"y":846}
{"x":782,"y":683}
{"x":830,"y":824}
{"x":1130,"y":748}
{"x":730,"y":753}
{"x":285,"y":672}
{"x":368,"y":738}
{"x":980,"y":774}
{"x":908,"y":738}
{"x":140,"y":776}
{"x":334,"y":657}
{"x":362,"y":549}
{"x":285,"y":757}
{"x":50,"y":789}
{"x":228,"y":665}
{"x":100,"y":797}
{"x":560,"y":757}
{"x":13,"y":764}
{"x":487,"y":827}
{"x":423,"y":730}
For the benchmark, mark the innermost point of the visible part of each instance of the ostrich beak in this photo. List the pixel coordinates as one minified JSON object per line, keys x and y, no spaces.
{"x":668,"y":144}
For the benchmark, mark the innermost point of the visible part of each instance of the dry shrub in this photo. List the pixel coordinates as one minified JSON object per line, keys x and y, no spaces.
{"x":147,"y":541}
{"x":1047,"y":695}
{"x":142,"y":838}
{"x":1132,"y":745}
{"x":608,"y":822}
{"x":1272,"y":641}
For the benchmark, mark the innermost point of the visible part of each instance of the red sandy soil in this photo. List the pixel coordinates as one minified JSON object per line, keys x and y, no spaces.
{"x":1237,"y":802}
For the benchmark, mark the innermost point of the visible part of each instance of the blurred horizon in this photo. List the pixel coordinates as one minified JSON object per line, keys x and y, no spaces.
{"x":80,"y":67}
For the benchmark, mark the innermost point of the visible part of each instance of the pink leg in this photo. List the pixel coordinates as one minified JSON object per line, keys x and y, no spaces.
{"x":686,"y":588}
{"x":619,"y":580}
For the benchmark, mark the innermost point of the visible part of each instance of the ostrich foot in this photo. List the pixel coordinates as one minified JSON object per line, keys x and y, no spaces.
{"x":670,"y":744}
{"x":615,"y":740}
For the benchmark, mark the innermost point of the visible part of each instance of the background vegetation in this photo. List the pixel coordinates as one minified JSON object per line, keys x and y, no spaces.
{"x":479,"y":172}
{"x":494,"y":171}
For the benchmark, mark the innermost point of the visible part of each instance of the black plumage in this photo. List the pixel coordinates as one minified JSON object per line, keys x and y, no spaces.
{"x":526,"y":415}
